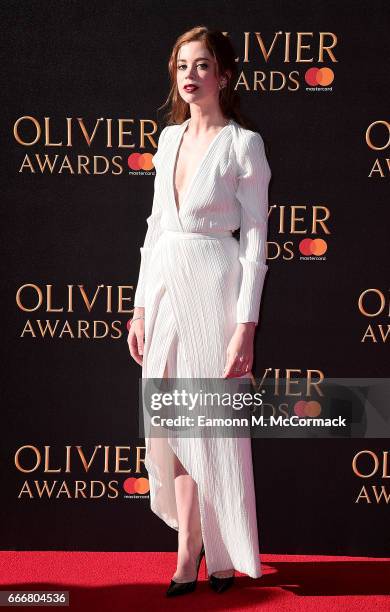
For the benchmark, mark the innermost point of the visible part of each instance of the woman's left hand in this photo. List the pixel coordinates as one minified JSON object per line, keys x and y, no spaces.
{"x":239,"y":353}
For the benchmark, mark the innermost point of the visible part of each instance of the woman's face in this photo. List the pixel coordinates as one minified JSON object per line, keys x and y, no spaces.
{"x":196,"y":66}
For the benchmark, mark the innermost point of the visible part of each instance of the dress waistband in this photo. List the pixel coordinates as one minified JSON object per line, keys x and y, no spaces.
{"x":201,"y":235}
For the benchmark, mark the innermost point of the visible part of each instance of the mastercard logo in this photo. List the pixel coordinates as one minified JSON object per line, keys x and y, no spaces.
{"x":313,"y":246}
{"x":136,"y":485}
{"x":319,"y":76}
{"x":307,"y":409}
{"x":140,"y":161}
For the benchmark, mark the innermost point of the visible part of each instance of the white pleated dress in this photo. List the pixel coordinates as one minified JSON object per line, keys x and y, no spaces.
{"x":196,"y":282}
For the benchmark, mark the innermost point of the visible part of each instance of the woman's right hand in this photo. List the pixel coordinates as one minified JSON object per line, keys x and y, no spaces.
{"x":135,"y":339}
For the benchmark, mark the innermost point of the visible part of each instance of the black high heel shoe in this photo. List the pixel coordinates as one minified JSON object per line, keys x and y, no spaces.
{"x":219,"y":585}
{"x":181,"y":588}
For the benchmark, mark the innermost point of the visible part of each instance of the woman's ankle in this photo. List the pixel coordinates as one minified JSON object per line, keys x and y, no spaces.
{"x":224,"y":573}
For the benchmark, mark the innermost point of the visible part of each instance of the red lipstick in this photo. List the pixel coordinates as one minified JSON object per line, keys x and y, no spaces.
{"x":190,"y":88}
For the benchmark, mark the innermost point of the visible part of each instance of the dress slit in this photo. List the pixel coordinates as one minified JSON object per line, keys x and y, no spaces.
{"x":161,"y":456}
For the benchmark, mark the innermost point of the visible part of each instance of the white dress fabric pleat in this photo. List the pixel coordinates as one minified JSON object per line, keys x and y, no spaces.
{"x":196,"y":282}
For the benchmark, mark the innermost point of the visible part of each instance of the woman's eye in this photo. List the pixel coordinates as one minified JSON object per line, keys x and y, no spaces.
{"x":198,"y":66}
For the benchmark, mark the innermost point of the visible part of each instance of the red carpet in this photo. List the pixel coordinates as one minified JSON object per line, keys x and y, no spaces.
{"x":137,"y":581}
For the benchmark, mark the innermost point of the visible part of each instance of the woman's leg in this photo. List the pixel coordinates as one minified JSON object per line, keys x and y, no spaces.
{"x":190,"y":533}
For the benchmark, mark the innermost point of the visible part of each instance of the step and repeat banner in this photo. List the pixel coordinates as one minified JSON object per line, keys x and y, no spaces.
{"x":83,"y":82}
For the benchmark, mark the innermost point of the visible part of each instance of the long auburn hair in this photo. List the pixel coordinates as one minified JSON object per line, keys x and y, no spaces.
{"x":221,"y":48}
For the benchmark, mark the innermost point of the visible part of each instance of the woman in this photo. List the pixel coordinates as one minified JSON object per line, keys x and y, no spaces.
{"x":197,"y":303}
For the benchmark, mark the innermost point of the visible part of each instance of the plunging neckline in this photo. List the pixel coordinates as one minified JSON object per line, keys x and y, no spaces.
{"x":199,"y":166}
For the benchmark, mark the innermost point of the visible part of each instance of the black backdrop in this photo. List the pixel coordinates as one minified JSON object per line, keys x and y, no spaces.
{"x":66,"y":226}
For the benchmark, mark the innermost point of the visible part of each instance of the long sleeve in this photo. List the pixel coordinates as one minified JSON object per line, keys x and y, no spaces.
{"x":153,"y":231}
{"x":252,"y":193}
